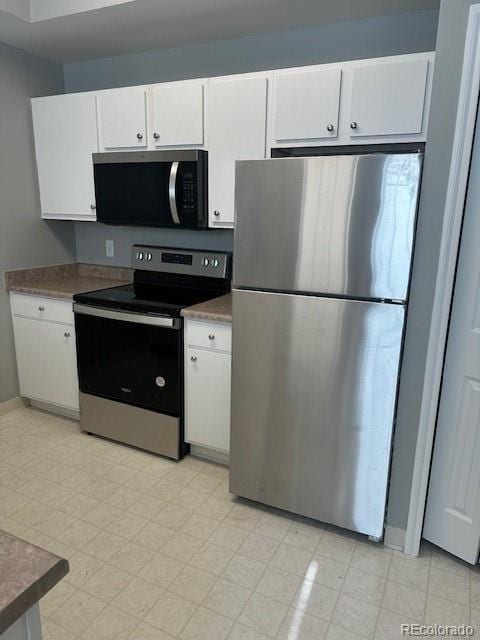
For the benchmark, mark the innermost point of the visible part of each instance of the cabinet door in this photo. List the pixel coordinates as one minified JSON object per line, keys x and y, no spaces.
{"x":65,"y":132}
{"x":46,"y":361}
{"x":177,"y":114}
{"x":388,"y":99}
{"x":306,"y":105}
{"x":207,"y":396}
{"x":237,"y":115}
{"x":123,"y":119}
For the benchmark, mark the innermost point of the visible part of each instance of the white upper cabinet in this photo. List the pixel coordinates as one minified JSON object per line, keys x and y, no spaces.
{"x":177,"y":115}
{"x":236,"y":117}
{"x":123,"y":119}
{"x":388,"y":99}
{"x":237,"y":121}
{"x":65,"y":132}
{"x":306,"y":104}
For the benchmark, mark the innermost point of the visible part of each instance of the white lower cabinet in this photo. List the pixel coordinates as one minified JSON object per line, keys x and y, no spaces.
{"x":207,"y":387}
{"x":45,"y":350}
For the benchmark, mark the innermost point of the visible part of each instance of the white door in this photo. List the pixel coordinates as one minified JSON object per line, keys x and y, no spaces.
{"x":46,"y":361}
{"x":208,"y":375}
{"x":452,"y":519}
{"x":65,"y":132}
{"x":388,"y":98}
{"x":306,"y":105}
{"x":237,"y":118}
{"x":123,"y":119}
{"x":177,"y":115}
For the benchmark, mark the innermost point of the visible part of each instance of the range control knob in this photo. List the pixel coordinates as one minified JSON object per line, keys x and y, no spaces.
{"x":205,"y":262}
{"x":139,"y":255}
{"x":149,"y":257}
{"x":214,"y":262}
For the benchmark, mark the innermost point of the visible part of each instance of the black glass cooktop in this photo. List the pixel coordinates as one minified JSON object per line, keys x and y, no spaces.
{"x":153,"y":299}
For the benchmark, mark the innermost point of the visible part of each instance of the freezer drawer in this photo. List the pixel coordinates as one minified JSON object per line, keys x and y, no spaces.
{"x":340,"y":225}
{"x":313,"y":401}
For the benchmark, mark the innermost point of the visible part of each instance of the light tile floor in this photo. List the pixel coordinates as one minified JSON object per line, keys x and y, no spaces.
{"x":160,"y":550}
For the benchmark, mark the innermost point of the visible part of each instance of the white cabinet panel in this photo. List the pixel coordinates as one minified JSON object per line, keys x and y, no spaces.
{"x":388,"y":99}
{"x":39,"y":308}
{"x":46,"y":361}
{"x":306,"y":104}
{"x":65,"y":132}
{"x":123,"y":119}
{"x":207,"y":417}
{"x":208,"y":335}
{"x":237,"y":114}
{"x":177,"y":115}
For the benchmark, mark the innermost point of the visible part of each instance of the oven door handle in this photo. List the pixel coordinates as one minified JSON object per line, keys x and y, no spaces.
{"x":127,"y":316}
{"x":172,"y":192}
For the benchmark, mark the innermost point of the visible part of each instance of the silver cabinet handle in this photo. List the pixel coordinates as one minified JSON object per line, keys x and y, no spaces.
{"x":353,"y":125}
{"x":193,"y":358}
{"x":172,"y":196}
{"x":211,"y":336}
{"x":140,"y":136}
{"x":41,"y":308}
{"x":93,"y":206}
{"x":156,"y":135}
{"x":216,"y":213}
{"x":66,"y":334}
{"x":330,"y":127}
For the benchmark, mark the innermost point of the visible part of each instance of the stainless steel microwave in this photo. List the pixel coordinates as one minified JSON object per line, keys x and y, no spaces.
{"x":152,"y":188}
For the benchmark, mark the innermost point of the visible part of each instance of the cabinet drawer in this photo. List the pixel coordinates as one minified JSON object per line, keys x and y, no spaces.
{"x":42,"y":308}
{"x":209,"y":335}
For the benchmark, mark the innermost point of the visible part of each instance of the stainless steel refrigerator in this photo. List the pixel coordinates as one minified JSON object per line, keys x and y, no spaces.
{"x":322,"y":261}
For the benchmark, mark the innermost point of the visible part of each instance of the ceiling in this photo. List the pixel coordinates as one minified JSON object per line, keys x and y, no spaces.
{"x":128,"y":26}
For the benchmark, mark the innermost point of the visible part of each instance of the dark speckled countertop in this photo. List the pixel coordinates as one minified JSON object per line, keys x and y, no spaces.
{"x":216,"y":310}
{"x":27,"y":573}
{"x":65,"y":280}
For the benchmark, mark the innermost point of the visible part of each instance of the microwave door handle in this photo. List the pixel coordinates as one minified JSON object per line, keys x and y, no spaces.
{"x":172,"y":183}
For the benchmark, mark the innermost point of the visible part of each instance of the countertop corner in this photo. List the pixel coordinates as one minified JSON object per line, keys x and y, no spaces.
{"x":27,"y":573}
{"x":215,"y":310}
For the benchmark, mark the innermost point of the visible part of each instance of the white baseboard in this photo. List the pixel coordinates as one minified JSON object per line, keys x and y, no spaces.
{"x":394,"y":538}
{"x":209,"y":454}
{"x":55,"y":408}
{"x":12,"y":405}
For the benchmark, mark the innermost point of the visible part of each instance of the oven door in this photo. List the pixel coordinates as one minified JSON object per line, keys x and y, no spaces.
{"x":152,"y":188}
{"x":131,"y":358}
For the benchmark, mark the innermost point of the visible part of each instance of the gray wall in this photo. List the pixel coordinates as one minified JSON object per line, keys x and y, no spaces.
{"x":404,"y":33}
{"x":91,"y":236}
{"x":25,"y":239}
{"x":446,"y":83}
{"x":395,"y":34}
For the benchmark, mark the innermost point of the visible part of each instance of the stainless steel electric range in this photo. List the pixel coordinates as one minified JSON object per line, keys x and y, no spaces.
{"x":130,"y":346}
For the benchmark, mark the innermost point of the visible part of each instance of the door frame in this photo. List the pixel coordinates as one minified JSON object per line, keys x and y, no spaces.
{"x":444,"y":286}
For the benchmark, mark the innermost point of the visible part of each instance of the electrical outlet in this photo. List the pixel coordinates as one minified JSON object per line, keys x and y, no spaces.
{"x":109,"y":248}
